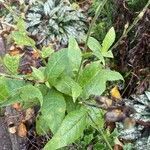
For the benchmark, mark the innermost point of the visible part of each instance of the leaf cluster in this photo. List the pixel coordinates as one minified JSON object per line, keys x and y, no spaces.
{"x":55,"y":20}
{"x":60,"y":87}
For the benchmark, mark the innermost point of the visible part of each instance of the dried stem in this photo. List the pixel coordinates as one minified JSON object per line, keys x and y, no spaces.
{"x":136,"y":20}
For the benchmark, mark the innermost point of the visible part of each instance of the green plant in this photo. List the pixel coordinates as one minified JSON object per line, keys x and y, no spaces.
{"x":136,"y":5}
{"x":50,"y":21}
{"x":54,"y":21}
{"x":105,"y":18}
{"x":60,"y":87}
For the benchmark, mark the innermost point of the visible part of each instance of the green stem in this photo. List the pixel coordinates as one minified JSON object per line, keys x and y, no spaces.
{"x":101,"y":132}
{"x":136,"y":20}
{"x":11,"y":76}
{"x":98,"y":11}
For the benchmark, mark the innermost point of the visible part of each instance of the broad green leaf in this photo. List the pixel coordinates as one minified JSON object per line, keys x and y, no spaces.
{"x":70,"y":105}
{"x":12,"y":63}
{"x":97,"y":116}
{"x":108,"y":40}
{"x":29,"y":93}
{"x":46,"y":52}
{"x":4,"y":92}
{"x":68,"y":86}
{"x":93,"y":79}
{"x":111,"y":75}
{"x":89,"y":72}
{"x":14,"y":87}
{"x":74,"y":54}
{"x":52,"y":112}
{"x":56,"y":65}
{"x":22,"y":39}
{"x":70,"y":130}
{"x":90,"y":80}
{"x":38,"y":74}
{"x":94,"y":45}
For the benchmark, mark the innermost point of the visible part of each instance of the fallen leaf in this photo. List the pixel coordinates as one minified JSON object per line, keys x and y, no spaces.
{"x":17,"y":106}
{"x":115,"y":94}
{"x":22,"y":130}
{"x":35,"y":54}
{"x":118,"y":145}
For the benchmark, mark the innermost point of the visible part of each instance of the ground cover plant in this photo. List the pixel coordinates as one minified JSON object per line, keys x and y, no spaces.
{"x":60,"y":68}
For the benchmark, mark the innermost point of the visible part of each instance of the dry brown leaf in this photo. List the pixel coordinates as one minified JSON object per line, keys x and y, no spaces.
{"x":118,"y":145}
{"x":115,"y":94}
{"x":17,"y":106}
{"x":22,"y":130}
{"x":35,"y":54}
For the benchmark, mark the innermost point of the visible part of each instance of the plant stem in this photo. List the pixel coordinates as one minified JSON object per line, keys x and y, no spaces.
{"x":101,"y":132}
{"x":97,"y":13}
{"x":136,"y":20}
{"x":11,"y":76}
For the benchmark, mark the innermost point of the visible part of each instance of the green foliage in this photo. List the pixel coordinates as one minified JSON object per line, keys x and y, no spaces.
{"x":52,"y":112}
{"x":11,"y":63}
{"x":108,"y":40}
{"x":56,"y":65}
{"x":38,"y":74}
{"x":46,"y":52}
{"x":105,"y":20}
{"x":4,"y":92}
{"x":62,"y":21}
{"x":74,"y":54}
{"x":101,"y":51}
{"x":136,"y":5}
{"x":60,"y":87}
{"x":71,"y":129}
{"x":21,"y":37}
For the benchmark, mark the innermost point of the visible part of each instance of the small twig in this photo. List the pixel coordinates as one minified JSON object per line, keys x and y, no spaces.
{"x":11,"y":76}
{"x":7,"y":24}
{"x":136,"y":20}
{"x":20,"y":78}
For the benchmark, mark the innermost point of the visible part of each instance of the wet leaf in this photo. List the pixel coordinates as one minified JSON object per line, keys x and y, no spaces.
{"x":22,"y":130}
{"x":115,"y":93}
